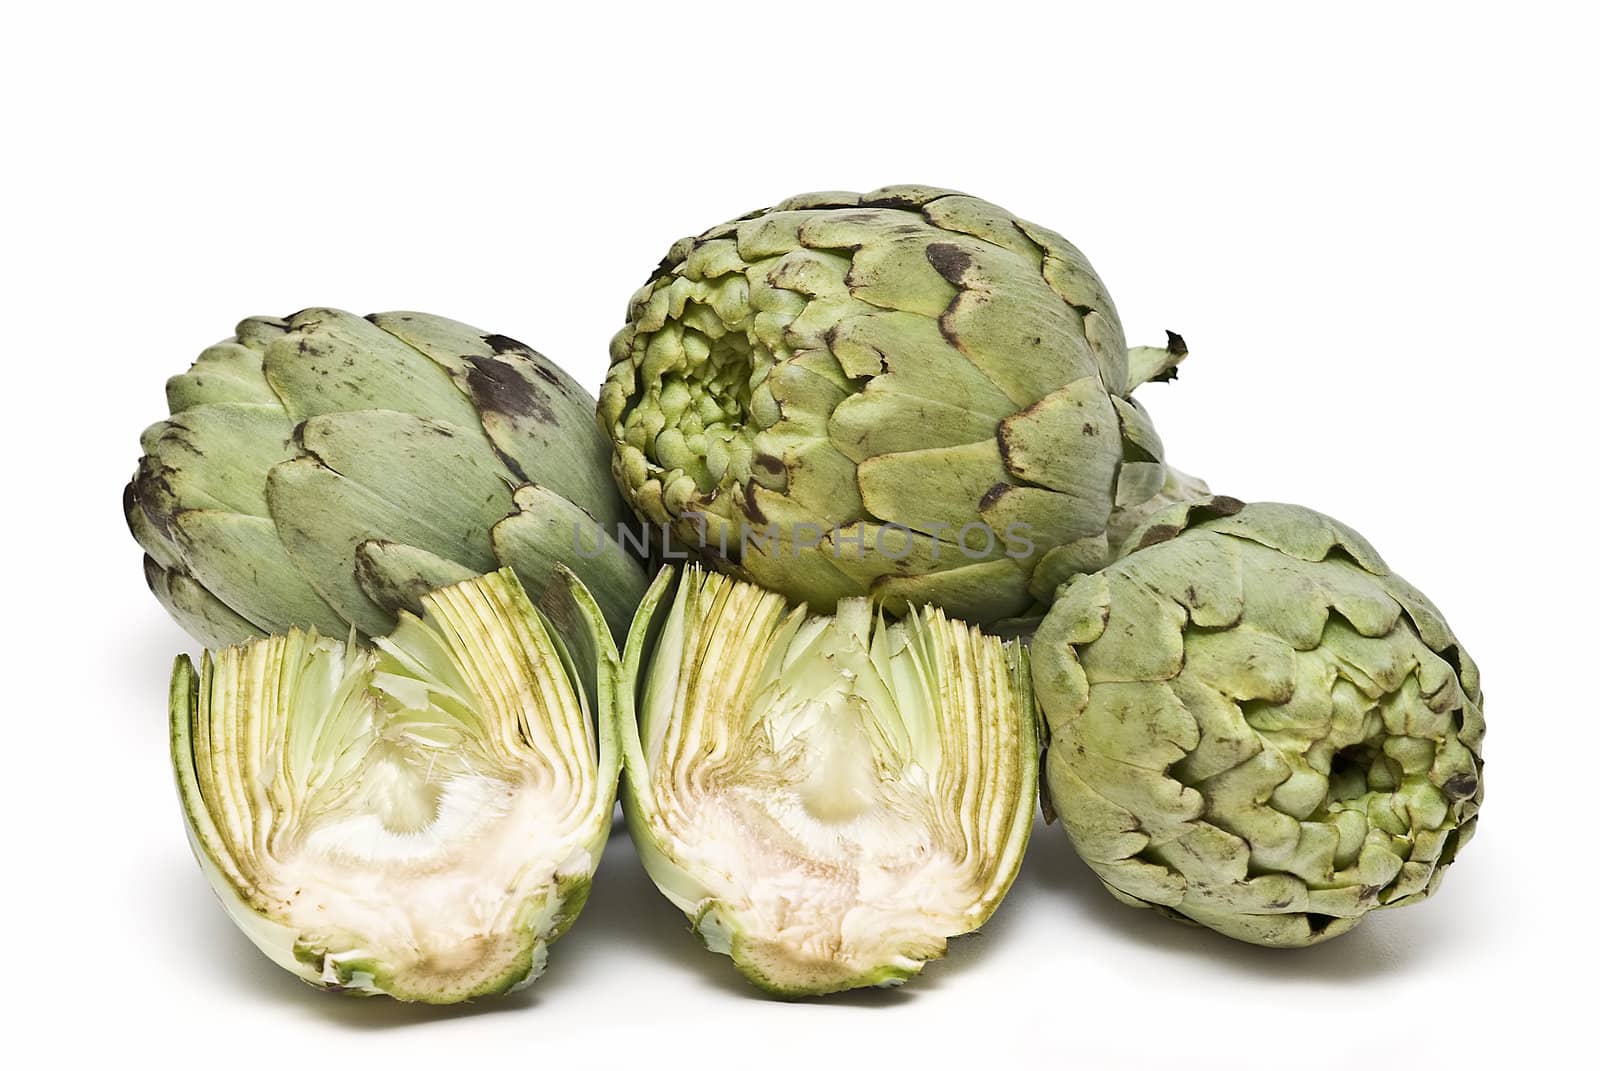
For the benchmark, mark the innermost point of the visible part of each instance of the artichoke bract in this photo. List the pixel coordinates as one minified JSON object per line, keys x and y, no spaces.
{"x":420,"y":818}
{"x":908,"y":394}
{"x":1255,"y":725}
{"x":326,"y":470}
{"x":828,"y":799}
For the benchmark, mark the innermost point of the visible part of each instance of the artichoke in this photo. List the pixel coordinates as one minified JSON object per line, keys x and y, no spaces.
{"x":828,"y":799}
{"x":326,"y":470}
{"x":419,"y":818}
{"x":1254,"y":725}
{"x":908,"y":394}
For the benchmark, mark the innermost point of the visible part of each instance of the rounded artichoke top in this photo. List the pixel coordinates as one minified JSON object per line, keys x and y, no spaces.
{"x":912,"y":393}
{"x":327,"y":469}
{"x":1256,"y":725}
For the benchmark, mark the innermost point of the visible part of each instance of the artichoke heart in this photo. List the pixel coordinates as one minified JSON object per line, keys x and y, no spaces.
{"x":827,"y":798}
{"x":420,"y":817}
{"x":1255,"y":725}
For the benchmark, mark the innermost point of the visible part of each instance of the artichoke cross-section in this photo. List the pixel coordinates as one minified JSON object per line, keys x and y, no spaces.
{"x":827,"y":798}
{"x":420,"y":817}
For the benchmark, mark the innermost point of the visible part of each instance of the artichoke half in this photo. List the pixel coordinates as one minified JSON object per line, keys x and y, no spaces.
{"x":827,"y":798}
{"x":420,"y":818}
{"x":908,"y":394}
{"x":326,"y":470}
{"x":1255,"y":725}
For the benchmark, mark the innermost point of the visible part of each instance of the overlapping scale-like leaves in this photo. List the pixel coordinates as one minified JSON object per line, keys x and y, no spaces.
{"x":327,"y":470}
{"x":1255,"y":725}
{"x":908,"y":394}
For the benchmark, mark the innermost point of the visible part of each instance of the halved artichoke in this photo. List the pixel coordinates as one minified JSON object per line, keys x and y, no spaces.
{"x":827,"y":798}
{"x":420,"y":818}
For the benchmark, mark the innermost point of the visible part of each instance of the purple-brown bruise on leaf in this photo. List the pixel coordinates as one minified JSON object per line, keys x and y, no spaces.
{"x":950,"y":261}
{"x":507,"y":344}
{"x":747,"y":503}
{"x":1159,"y":533}
{"x":994,"y":495}
{"x":1198,"y":512}
{"x":890,"y":201}
{"x":497,"y":386}
{"x":149,"y":487}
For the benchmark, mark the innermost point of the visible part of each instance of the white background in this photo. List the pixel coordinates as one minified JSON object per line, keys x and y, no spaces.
{"x":1375,"y":227}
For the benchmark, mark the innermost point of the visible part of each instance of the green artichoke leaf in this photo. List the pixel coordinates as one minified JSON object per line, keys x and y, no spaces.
{"x":988,"y":223}
{"x":1177,"y":487}
{"x":980,"y":579}
{"x":895,"y":274}
{"x":1256,"y":726}
{"x":334,"y":362}
{"x":789,"y":567}
{"x":199,"y":613}
{"x":382,"y":475}
{"x":1063,"y":561}
{"x":997,"y":589}
{"x":396,"y":576}
{"x":931,"y":397}
{"x":933,"y":489}
{"x":526,"y":404}
{"x":158,"y":545}
{"x":1003,"y":330}
{"x":211,"y":457}
{"x":240,"y":560}
{"x":827,"y":799}
{"x":260,"y":332}
{"x":402,"y":458}
{"x":418,"y":818}
{"x":546,"y":529}
{"x":1032,"y":524}
{"x":1054,"y":443}
{"x":817,"y":476}
{"x":1068,"y":272}
{"x":1156,"y":363}
{"x":226,"y":372}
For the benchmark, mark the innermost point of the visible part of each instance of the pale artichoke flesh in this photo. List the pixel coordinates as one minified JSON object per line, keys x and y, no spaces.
{"x":828,"y":799}
{"x":420,"y":817}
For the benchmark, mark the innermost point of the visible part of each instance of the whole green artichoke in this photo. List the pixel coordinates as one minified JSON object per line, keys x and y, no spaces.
{"x":327,"y":470}
{"x":1255,"y":725}
{"x":909,"y":394}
